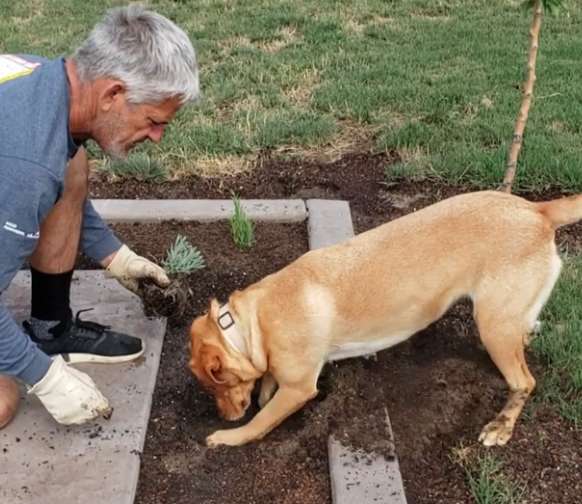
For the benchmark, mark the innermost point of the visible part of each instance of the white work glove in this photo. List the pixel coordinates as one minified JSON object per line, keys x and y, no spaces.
{"x":69,"y":395}
{"x":127,"y":267}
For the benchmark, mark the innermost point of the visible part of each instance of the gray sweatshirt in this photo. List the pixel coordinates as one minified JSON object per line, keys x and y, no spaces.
{"x":35,"y":147}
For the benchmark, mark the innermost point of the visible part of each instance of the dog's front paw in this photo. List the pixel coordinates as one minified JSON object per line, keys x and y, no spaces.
{"x":496,"y":433}
{"x":223,"y":437}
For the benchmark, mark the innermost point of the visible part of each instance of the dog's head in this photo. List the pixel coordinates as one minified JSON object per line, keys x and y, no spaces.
{"x":229,"y":377}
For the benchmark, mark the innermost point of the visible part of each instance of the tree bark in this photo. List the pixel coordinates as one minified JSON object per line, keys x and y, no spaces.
{"x":516,"y":143}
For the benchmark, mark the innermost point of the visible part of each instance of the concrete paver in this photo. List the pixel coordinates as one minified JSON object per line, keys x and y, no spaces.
{"x":366,"y":478}
{"x":330,"y":222}
{"x":363,"y":478}
{"x":117,"y":210}
{"x":44,"y":462}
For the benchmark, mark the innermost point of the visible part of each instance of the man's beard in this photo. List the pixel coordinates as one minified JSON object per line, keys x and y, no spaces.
{"x":108,"y":129}
{"x":116,"y":151}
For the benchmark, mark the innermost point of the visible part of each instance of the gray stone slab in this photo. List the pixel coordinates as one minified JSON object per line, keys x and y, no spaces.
{"x":330,"y":222}
{"x":365,"y":478}
{"x":119,"y":210}
{"x":44,"y":462}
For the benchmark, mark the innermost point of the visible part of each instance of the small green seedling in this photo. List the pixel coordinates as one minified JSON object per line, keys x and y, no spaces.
{"x":241,"y":227}
{"x":183,"y":258}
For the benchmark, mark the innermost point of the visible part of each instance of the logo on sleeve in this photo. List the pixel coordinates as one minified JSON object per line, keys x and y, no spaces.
{"x":12,"y":67}
{"x":13,"y":228}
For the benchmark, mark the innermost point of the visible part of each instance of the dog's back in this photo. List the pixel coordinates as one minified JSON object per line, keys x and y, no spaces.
{"x":483,"y":227}
{"x":396,"y":279}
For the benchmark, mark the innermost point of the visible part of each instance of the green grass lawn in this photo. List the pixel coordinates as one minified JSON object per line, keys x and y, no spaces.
{"x":438,"y":80}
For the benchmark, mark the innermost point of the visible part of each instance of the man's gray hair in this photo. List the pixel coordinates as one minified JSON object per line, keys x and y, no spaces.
{"x":146,"y":51}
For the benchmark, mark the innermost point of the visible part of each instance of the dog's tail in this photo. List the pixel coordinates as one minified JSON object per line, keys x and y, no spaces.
{"x":563,"y":211}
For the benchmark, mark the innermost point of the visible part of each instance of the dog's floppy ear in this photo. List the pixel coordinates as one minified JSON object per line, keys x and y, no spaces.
{"x":212,"y":367}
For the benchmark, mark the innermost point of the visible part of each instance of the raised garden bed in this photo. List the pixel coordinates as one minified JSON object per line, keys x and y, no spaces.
{"x":440,"y":387}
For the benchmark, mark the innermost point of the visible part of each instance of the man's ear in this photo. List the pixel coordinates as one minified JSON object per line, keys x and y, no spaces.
{"x":110,"y":94}
{"x":212,"y":367}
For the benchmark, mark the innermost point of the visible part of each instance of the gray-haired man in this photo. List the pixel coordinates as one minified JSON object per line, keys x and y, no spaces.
{"x":121,"y":87}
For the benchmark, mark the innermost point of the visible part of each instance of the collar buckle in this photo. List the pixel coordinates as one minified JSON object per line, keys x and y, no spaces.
{"x":225,"y":324}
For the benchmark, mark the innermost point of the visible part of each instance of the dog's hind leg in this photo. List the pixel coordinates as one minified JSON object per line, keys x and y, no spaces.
{"x":504,"y":342}
{"x":505,"y":319}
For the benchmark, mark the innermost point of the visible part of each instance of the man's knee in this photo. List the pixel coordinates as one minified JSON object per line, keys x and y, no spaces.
{"x":9,"y":399}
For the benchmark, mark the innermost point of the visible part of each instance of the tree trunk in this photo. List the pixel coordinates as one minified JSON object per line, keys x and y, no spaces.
{"x":515,"y":147}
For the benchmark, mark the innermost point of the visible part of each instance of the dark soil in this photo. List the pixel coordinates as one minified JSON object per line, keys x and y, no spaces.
{"x":226,"y":267}
{"x":440,"y":387}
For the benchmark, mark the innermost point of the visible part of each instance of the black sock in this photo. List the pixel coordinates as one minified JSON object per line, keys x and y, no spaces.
{"x":51,"y":295}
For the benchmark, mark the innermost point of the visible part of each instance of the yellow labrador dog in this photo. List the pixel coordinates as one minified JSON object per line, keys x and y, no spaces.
{"x":376,"y":290}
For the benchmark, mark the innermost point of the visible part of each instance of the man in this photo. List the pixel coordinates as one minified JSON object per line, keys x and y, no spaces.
{"x":121,"y":87}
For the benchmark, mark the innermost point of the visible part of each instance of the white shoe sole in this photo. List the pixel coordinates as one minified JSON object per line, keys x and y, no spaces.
{"x":78,"y":358}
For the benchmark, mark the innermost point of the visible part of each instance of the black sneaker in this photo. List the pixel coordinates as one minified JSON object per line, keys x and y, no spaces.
{"x":83,"y":341}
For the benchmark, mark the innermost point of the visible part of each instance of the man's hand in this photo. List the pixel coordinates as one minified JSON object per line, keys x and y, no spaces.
{"x":127,"y":267}
{"x":69,"y":395}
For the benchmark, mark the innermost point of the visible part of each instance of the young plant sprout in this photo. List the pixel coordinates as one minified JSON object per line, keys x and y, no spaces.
{"x":175,"y":299}
{"x":241,"y":227}
{"x":183,"y":258}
